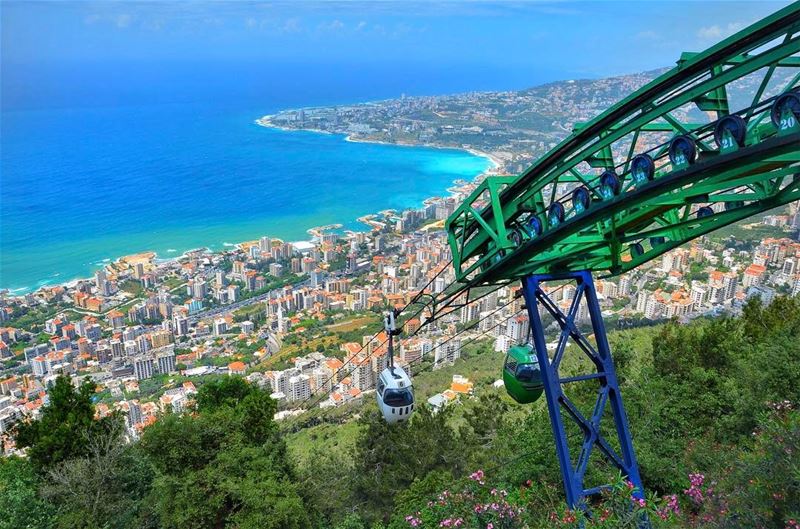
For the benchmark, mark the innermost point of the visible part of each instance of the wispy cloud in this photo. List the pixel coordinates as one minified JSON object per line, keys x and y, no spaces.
{"x":120,"y":20}
{"x":333,"y":26}
{"x":275,"y":26}
{"x":717,"y":32}
{"x":648,"y":34}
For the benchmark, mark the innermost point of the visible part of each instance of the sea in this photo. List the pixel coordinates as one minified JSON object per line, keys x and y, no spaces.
{"x":98,"y":161}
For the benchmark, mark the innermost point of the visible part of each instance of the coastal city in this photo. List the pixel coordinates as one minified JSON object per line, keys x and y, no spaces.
{"x":303,"y":319}
{"x":289,"y":316}
{"x":399,"y":265}
{"x":513,"y":128}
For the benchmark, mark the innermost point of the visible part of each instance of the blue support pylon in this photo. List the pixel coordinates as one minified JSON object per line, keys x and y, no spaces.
{"x":608,"y":394}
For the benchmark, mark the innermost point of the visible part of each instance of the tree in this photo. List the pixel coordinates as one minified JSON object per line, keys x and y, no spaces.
{"x":324,"y":471}
{"x":222,"y":391}
{"x":66,"y":424}
{"x":760,"y":486}
{"x":389,"y":458}
{"x":105,"y":488}
{"x":20,"y":504}
{"x":484,"y":420}
{"x":226,"y":465}
{"x":351,"y":521}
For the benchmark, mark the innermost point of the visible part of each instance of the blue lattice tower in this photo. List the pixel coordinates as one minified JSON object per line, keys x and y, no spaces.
{"x":573,"y":470}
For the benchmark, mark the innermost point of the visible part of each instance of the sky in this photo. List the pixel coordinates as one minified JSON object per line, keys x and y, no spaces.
{"x":506,"y":40}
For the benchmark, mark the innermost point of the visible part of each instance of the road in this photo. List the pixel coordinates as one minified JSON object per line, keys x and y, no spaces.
{"x":211,"y":313}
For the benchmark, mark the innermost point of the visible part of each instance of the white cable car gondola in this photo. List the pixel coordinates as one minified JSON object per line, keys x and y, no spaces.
{"x":395,"y":393}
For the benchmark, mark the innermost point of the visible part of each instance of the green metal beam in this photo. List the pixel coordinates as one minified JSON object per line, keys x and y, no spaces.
{"x":596,"y":239}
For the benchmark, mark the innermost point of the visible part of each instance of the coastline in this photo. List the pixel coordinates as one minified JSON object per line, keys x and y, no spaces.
{"x":265,"y":122}
{"x":475,"y":152}
{"x":366,"y":220}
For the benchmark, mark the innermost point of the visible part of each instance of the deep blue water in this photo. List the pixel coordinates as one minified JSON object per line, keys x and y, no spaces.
{"x":102,"y":162}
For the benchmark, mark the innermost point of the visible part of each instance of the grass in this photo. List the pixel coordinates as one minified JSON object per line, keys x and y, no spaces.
{"x":481,"y":365}
{"x":249,"y":310}
{"x":292,"y":350}
{"x":305,"y":443}
{"x":333,"y":335}
{"x":132,"y":287}
{"x":754,"y":232}
{"x":172,"y":283}
{"x":353,"y":324}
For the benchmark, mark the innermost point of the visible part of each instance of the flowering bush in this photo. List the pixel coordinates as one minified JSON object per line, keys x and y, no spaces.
{"x":760,"y":490}
{"x":474,"y":505}
{"x":620,"y":507}
{"x":478,"y":505}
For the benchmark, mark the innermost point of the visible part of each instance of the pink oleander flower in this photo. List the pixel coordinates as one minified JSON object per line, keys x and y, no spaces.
{"x":695,"y":491}
{"x":477,"y":476}
{"x":413,"y":521}
{"x":670,"y":508}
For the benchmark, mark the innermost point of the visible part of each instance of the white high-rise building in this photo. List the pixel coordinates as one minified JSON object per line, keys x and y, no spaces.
{"x":180,"y":325}
{"x":470,"y":312}
{"x":699,"y":295}
{"x":503,"y":343}
{"x":166,"y":362}
{"x":299,"y":387}
{"x":199,"y":289}
{"x":641,"y":300}
{"x":143,"y":367}
{"x":789,"y":266}
{"x":624,"y":286}
{"x":220,"y":326}
{"x":517,"y":329}
{"x":447,"y":352}
{"x":134,"y":413}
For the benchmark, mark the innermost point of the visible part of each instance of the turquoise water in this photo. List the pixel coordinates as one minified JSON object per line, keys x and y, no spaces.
{"x":81,"y":186}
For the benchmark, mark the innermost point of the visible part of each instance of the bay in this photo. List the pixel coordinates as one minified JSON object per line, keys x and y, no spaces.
{"x":85,"y":184}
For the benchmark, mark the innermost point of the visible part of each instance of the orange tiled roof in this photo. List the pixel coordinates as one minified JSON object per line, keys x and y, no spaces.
{"x":237,"y":366}
{"x":755,"y":269}
{"x":334,"y":363}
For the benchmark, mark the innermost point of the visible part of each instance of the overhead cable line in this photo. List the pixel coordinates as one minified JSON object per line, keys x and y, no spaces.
{"x":372,"y":338}
{"x":439,"y":345}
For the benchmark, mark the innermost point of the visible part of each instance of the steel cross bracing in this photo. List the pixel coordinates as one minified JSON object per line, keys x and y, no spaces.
{"x":490,"y":232}
{"x":573,"y":470}
{"x":524,"y":227}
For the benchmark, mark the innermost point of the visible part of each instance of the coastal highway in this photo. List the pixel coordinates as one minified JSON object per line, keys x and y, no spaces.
{"x":211,"y":313}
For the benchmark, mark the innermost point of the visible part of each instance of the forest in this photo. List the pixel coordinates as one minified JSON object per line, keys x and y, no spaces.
{"x":712,"y":405}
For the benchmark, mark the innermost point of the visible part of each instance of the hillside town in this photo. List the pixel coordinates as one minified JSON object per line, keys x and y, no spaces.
{"x":145,"y":330}
{"x":303,"y":319}
{"x":513,"y":128}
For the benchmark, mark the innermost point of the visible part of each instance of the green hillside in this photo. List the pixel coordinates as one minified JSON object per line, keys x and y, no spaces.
{"x":711,"y":406}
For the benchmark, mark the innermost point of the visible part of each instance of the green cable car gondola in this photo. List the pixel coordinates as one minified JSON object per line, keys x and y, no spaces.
{"x":521,"y":374}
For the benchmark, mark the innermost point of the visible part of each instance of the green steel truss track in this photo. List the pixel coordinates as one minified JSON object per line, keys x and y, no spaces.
{"x":491,"y":233}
